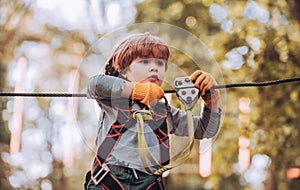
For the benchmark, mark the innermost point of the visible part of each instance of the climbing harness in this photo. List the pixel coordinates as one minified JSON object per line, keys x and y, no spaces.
{"x":126,"y":118}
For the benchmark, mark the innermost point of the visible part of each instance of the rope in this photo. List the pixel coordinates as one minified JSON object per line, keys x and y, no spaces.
{"x":144,"y":115}
{"x":141,"y":116}
{"x":248,"y":84}
{"x":219,"y":86}
{"x":44,"y":94}
{"x":255,"y":84}
{"x":184,"y":154}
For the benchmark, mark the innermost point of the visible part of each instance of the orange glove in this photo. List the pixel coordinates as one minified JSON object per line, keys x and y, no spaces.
{"x":204,"y":81}
{"x":147,"y":93}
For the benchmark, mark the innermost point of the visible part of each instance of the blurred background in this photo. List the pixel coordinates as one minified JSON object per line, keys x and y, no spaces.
{"x":48,"y":143}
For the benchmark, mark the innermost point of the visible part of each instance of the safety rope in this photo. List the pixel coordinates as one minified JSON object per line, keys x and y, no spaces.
{"x":218,"y":86}
{"x":43,"y":94}
{"x":145,"y":115}
{"x":255,"y":84}
{"x":249,"y":84}
{"x":141,"y":116}
{"x":184,"y":154}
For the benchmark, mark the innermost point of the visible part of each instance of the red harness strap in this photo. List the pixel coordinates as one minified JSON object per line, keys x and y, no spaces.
{"x":123,"y":122}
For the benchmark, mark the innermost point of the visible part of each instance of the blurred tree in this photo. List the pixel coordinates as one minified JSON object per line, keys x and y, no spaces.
{"x":54,"y":37}
{"x":296,"y":10}
{"x":8,"y":30}
{"x":4,"y":134}
{"x":7,"y":35}
{"x":265,"y":37}
{"x":18,"y":27}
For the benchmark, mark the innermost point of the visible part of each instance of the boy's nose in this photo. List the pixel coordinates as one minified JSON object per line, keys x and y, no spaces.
{"x":153,"y":67}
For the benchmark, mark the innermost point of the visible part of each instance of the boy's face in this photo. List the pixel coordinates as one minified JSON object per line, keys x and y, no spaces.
{"x":147,"y":70}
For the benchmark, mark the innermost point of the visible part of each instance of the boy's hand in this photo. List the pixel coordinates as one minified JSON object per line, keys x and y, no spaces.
{"x":204,"y":81}
{"x":147,"y":93}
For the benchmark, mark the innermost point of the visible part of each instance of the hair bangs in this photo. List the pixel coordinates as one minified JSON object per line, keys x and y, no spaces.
{"x":151,"y":50}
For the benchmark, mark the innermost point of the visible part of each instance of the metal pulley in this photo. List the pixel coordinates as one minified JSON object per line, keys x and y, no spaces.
{"x":186,"y":92}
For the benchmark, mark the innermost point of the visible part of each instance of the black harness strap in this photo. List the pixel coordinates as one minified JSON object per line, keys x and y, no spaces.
{"x":104,"y":178}
{"x":161,"y":132}
{"x":123,"y":122}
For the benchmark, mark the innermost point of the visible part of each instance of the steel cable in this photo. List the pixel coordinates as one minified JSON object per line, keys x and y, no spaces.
{"x":219,"y":86}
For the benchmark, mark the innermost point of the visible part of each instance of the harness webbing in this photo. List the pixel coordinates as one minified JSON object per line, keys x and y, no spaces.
{"x":144,"y":115}
{"x":122,"y":123}
{"x":141,"y":116}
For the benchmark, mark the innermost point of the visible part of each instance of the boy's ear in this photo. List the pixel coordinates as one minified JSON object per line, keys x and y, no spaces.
{"x":109,"y":70}
{"x":106,"y":69}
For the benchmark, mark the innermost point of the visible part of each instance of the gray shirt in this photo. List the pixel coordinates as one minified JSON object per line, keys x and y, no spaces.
{"x":107,"y":90}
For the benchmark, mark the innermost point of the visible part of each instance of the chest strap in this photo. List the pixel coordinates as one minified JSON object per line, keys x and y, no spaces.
{"x":123,"y":122}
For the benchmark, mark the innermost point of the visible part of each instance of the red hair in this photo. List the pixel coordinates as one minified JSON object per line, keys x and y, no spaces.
{"x":136,"y":46}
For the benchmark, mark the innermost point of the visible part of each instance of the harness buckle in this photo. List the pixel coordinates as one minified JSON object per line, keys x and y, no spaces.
{"x":100,"y":174}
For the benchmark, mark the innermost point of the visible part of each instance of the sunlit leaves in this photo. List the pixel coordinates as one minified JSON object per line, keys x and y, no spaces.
{"x":251,"y":41}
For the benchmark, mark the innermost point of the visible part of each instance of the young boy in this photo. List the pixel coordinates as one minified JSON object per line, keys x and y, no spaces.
{"x":132,"y":82}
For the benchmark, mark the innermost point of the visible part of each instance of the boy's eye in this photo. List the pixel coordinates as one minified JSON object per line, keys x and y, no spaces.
{"x":160,"y":63}
{"x":144,"y":61}
{"x":157,"y":62}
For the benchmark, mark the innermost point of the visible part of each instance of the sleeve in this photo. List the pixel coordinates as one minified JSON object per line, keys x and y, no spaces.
{"x":205,"y":126}
{"x":105,"y":87}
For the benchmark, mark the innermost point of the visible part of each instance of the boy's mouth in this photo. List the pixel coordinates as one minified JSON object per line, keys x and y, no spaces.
{"x":153,"y":78}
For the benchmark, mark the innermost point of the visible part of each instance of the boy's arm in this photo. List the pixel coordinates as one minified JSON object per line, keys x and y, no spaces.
{"x":107,"y":87}
{"x":206,"y":126}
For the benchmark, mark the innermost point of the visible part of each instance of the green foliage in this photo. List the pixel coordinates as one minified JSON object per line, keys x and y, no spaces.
{"x":274,"y":118}
{"x":4,"y":134}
